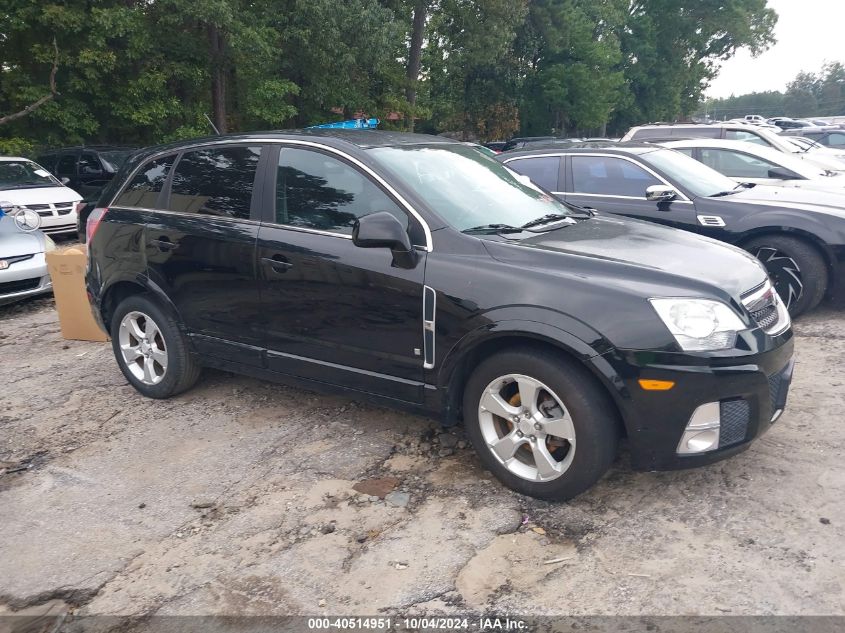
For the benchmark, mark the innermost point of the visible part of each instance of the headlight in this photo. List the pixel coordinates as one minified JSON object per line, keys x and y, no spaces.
{"x":49,"y":244}
{"x":699,"y":324}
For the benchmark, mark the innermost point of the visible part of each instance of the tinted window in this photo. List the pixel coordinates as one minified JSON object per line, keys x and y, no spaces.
{"x":144,"y":188}
{"x":67,"y":165}
{"x":736,"y":164}
{"x":697,"y":131}
{"x":740,"y":135}
{"x":89,"y":164}
{"x":610,"y":176}
{"x":544,"y":170}
{"x":316,"y":191}
{"x":215,"y":181}
{"x":836,"y":139}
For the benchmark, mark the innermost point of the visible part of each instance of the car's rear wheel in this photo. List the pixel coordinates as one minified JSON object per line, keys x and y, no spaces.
{"x":797,"y":270}
{"x":540,"y":423}
{"x":150,"y":349}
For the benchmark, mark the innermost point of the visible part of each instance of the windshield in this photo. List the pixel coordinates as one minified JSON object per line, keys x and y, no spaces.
{"x":688,"y":173}
{"x":23,"y":174}
{"x":466,"y":188}
{"x":115,"y":158}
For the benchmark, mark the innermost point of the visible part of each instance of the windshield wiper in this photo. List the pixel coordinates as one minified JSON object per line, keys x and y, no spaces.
{"x":490,"y":229}
{"x":546,"y":219}
{"x":732,"y":191}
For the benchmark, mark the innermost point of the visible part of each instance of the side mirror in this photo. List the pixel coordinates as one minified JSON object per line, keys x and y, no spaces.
{"x":64,"y":180}
{"x":383,"y":230}
{"x":660,"y":193}
{"x":782,"y":173}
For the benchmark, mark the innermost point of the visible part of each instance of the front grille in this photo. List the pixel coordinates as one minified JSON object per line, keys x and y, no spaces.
{"x":734,"y":416}
{"x":766,"y":317}
{"x":16,"y":259}
{"x":37,"y":207}
{"x":778,"y":386}
{"x":45,"y":214}
{"x":21,"y":285}
{"x":762,"y":304}
{"x":63,"y":211}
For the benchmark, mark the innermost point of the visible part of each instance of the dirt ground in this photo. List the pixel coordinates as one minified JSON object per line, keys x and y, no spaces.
{"x":237,"y":498}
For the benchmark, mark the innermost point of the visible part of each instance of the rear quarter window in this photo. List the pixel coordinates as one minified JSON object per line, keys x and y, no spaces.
{"x":143,"y":190}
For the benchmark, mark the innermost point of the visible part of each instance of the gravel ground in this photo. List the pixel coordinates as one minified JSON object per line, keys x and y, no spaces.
{"x":238,"y":497}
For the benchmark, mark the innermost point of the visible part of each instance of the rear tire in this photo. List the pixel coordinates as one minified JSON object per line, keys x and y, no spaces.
{"x":574,"y":423}
{"x":150,"y":348}
{"x":797,"y":270}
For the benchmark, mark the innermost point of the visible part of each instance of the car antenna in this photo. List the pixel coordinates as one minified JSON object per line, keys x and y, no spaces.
{"x":213,"y":127}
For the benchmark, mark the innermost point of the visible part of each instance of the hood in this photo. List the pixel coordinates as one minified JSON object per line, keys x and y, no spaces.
{"x":827,"y":201}
{"x":833,"y":184}
{"x":39,"y":195}
{"x":644,"y":258}
{"x":14,"y":242}
{"x":824,"y":160}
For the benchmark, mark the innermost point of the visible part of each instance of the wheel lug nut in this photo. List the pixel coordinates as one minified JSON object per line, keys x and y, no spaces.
{"x":537,"y":425}
{"x":519,"y":433}
{"x":532,"y":438}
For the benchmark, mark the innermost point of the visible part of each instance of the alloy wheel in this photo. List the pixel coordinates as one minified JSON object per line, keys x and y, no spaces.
{"x":526,"y":427}
{"x":785,"y":273}
{"x":143,"y":348}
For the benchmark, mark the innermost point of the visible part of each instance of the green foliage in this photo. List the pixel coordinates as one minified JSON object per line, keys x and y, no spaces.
{"x":16,"y":147}
{"x":148,"y":71}
{"x":807,"y":95}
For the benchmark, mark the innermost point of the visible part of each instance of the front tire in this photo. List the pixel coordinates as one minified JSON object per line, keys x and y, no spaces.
{"x":798,"y":271}
{"x":150,"y":348}
{"x":540,"y":423}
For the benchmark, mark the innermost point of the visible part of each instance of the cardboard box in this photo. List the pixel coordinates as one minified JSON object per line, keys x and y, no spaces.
{"x":67,"y":270}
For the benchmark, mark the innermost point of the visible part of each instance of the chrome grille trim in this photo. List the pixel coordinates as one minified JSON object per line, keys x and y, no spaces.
{"x":767,"y":309}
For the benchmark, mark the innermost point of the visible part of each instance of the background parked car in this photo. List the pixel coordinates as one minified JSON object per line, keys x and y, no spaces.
{"x":24,"y":183}
{"x":23,"y":268}
{"x":798,"y":235}
{"x":87,"y":169}
{"x":828,"y":136}
{"x":731,"y":132}
{"x":749,"y":162}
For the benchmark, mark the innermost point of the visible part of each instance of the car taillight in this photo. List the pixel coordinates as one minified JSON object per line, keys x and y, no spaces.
{"x":93,"y":223}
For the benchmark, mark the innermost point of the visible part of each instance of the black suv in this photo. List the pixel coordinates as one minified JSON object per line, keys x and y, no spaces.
{"x":422,"y":274}
{"x":798,"y":234}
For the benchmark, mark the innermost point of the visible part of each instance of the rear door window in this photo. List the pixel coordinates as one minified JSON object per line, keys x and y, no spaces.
{"x":144,"y":189}
{"x":543,"y":170}
{"x":215,"y":181}
{"x":610,"y":176}
{"x":66,"y":165}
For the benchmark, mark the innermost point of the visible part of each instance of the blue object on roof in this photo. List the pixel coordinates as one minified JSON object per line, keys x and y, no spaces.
{"x":351,"y":124}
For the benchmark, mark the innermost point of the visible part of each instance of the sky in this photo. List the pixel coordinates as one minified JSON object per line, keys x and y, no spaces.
{"x":808,"y":33}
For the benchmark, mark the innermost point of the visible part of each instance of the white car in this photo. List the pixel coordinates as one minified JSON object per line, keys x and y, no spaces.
{"x":749,"y":162}
{"x":808,"y":145}
{"x":26,"y":184}
{"x":733,"y":132}
{"x":23,"y":267}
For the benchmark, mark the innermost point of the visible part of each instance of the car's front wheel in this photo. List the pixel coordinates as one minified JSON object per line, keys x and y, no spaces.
{"x":150,"y":349}
{"x":540,"y":423}
{"x":798,"y":271}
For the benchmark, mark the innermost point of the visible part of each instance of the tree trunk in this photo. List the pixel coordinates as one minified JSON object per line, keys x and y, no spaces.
{"x":415,"y":59}
{"x":217,"y":44}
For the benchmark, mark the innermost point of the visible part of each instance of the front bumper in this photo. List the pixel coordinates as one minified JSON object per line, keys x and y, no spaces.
{"x":25,"y":278}
{"x":751,"y":391}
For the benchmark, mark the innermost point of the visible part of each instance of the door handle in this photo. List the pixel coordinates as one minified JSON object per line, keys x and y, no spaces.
{"x":278,"y":263}
{"x":164,"y":244}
